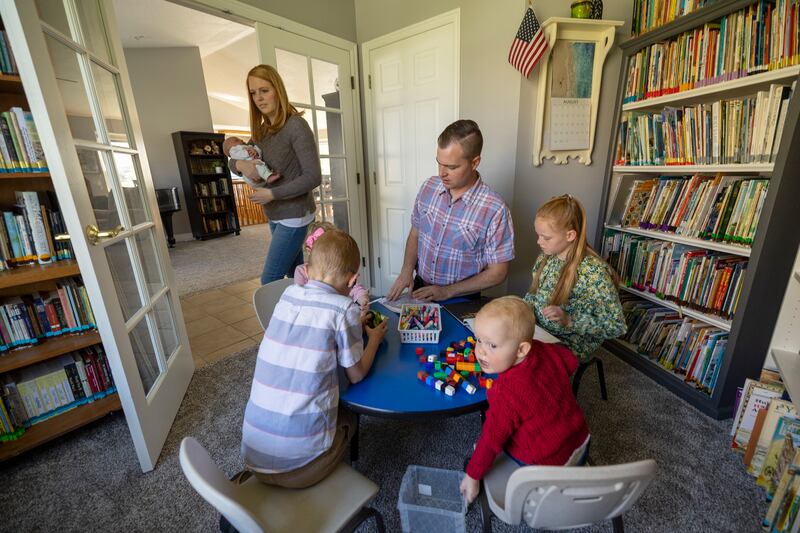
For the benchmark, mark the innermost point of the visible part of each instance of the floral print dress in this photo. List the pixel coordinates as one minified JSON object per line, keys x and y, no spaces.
{"x":593,"y":305}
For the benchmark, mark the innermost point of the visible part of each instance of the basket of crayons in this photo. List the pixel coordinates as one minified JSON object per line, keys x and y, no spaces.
{"x":420,"y":323}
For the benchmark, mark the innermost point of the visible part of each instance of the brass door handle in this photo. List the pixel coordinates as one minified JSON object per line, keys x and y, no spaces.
{"x":94,"y":234}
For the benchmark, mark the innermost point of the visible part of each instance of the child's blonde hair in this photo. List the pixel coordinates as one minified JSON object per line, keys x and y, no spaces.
{"x":335,"y":253}
{"x":565,"y":213}
{"x":515,"y":313}
{"x":312,"y":234}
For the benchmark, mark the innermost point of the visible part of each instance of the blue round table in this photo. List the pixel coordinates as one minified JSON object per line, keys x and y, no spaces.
{"x":391,"y":389}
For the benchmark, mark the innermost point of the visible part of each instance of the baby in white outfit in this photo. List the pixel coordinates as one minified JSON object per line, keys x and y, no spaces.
{"x":235,"y":148}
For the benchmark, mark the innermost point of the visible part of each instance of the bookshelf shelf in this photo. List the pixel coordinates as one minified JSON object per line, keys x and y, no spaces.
{"x":25,"y":275}
{"x":736,"y":87}
{"x":789,"y":366}
{"x":46,"y":349}
{"x":10,"y":83}
{"x":688,"y":311}
{"x":756,"y":168}
{"x":60,"y":424}
{"x":734,"y":249}
{"x":23,"y":175}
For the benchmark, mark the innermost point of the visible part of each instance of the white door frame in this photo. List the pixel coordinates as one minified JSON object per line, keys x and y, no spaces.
{"x":249,"y":15}
{"x":450,"y":17}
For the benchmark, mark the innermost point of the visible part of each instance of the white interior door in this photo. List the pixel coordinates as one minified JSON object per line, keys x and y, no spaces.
{"x":412,"y":96}
{"x":318,"y":79}
{"x":72,"y":66}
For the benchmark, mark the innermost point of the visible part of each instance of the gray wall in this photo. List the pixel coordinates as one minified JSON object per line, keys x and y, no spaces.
{"x":170,"y":94}
{"x":536,"y":185}
{"x":336,"y":17}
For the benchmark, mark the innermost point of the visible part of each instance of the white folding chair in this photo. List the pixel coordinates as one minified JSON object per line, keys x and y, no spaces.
{"x":562,"y":497}
{"x":265,"y":298}
{"x":337,"y":503}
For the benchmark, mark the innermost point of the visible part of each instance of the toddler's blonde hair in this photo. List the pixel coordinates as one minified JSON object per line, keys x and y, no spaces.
{"x":515,"y":313}
{"x":334,"y":253}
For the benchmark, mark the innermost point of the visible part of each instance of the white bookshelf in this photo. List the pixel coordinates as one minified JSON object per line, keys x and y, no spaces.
{"x":734,"y":249}
{"x":751,"y":168}
{"x":789,"y":367}
{"x":683,"y":310}
{"x":725,"y":89}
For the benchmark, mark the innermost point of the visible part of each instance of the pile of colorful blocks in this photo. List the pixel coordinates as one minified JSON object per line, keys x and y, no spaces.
{"x":454,"y":368}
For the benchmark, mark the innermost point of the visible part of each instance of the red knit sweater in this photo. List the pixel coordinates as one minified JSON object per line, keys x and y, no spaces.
{"x":532,"y":412}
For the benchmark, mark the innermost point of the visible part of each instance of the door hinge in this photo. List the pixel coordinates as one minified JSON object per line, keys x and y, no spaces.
{"x":363,"y":262}
{"x":358,"y":178}
{"x":369,"y":80}
{"x":379,"y":262}
{"x":352,"y":82}
{"x":374,"y":178}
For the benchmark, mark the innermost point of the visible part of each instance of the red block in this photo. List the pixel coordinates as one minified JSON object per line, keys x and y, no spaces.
{"x":420,"y":351}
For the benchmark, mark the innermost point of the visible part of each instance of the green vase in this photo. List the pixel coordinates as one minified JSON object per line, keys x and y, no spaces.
{"x":581,"y":9}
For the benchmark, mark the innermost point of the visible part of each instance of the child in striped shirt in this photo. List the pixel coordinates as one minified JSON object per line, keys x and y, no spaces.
{"x":294,"y":433}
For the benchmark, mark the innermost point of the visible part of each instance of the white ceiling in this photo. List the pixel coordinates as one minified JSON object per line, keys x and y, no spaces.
{"x":159,"y":23}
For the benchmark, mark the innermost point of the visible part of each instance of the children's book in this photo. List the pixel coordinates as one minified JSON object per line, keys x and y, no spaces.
{"x":784,"y":440}
{"x":777,"y":409}
{"x":759,"y":398}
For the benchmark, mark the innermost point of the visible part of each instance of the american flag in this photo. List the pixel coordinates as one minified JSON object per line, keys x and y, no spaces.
{"x":528,"y":45}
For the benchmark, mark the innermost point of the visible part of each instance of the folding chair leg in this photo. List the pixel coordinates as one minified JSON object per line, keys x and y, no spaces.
{"x":576,"y":379}
{"x":354,"y":440}
{"x":601,"y":377}
{"x":364,"y":514}
{"x":486,"y":512}
{"x":617,"y":523}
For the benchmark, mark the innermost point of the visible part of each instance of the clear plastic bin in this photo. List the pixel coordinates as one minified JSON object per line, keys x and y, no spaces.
{"x":430,"y":501}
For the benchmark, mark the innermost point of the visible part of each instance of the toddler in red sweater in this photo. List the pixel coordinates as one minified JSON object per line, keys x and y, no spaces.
{"x":533,"y":415}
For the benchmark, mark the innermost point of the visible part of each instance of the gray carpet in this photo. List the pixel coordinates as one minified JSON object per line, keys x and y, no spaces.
{"x":89,"y":480}
{"x":234,"y":257}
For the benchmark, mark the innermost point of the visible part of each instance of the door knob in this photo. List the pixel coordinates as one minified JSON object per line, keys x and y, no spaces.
{"x":94,"y":234}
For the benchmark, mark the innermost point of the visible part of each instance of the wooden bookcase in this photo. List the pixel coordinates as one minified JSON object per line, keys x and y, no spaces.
{"x":26,"y":279}
{"x":775,"y":244}
{"x":203,"y":166}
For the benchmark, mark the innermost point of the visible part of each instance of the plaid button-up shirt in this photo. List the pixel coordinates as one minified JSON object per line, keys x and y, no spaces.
{"x":458,"y":240}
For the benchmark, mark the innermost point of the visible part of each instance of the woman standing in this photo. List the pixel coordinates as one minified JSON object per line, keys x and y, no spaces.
{"x":287,"y":146}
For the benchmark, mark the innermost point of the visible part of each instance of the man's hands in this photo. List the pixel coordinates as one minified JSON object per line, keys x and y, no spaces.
{"x":403,"y":281}
{"x":556,"y":314}
{"x":470,"y":488}
{"x":432,"y":293}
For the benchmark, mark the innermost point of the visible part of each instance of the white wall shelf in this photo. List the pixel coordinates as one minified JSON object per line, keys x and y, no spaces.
{"x":734,"y":249}
{"x":752,"y":168}
{"x":789,"y":366}
{"x":693,"y":313}
{"x":725,"y":89}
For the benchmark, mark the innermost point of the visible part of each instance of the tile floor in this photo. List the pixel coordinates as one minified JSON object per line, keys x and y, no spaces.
{"x":221,"y":322}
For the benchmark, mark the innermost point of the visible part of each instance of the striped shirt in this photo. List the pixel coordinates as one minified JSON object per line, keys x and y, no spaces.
{"x":458,"y":240}
{"x":290,"y":418}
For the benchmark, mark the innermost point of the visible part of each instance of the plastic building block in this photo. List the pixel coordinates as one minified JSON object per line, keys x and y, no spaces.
{"x":419,"y":351}
{"x":469,"y":387}
{"x":469,"y":367}
{"x":433,"y":358}
{"x":449,"y":390}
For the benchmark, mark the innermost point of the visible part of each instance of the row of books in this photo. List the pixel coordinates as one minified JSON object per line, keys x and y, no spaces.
{"x":715,"y":208}
{"x":212,"y":188}
{"x":27,"y":233}
{"x":203,"y":167}
{"x":766,"y":432}
{"x":761,"y":37}
{"x":208,"y":206}
{"x":8,"y":65}
{"x":27,"y":319}
{"x":690,"y":349}
{"x":41,"y":391}
{"x":218,"y":224}
{"x":741,"y":130}
{"x":710,"y":282}
{"x":650,"y":14}
{"x":20,"y":148}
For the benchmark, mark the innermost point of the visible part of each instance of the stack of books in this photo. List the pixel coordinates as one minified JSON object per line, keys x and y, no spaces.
{"x":758,"y":38}
{"x":709,"y":282}
{"x":38,"y":392}
{"x":690,"y":349}
{"x":721,"y":208}
{"x":218,"y":224}
{"x":742,"y":130}
{"x":20,"y":149}
{"x":27,"y":232}
{"x":212,"y":188}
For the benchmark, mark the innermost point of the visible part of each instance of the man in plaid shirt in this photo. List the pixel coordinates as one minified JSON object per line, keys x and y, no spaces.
{"x":462,"y":238}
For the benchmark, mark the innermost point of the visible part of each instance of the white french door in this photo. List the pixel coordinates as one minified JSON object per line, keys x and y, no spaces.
{"x":318,"y":79}
{"x":72,"y":66}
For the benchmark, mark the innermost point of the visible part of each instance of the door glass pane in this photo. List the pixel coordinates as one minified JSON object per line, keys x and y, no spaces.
{"x":166,"y":325}
{"x":145,"y":355}
{"x":93,"y":29}
{"x":326,"y":83}
{"x":108,"y":93}
{"x":128,"y":172}
{"x":119,"y":262}
{"x":52,"y":12}
{"x":294,"y":72}
{"x":73,"y":92}
{"x":336,"y":213}
{"x":334,"y":178}
{"x":329,"y":133}
{"x":97,"y":180}
{"x":147,"y":256}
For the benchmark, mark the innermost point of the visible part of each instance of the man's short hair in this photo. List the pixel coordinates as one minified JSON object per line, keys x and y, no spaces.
{"x":335,"y":252}
{"x":515,"y":313}
{"x":466,"y":133}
